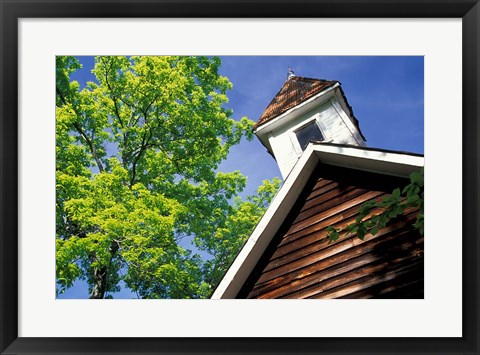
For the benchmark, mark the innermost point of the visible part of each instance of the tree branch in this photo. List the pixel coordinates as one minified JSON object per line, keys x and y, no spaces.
{"x":114,"y":97}
{"x":143,"y":148}
{"x":83,"y":134}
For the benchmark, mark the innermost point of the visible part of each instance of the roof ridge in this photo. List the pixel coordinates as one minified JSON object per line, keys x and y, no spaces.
{"x":303,"y":78}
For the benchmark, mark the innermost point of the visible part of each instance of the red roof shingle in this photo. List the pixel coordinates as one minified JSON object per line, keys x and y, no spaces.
{"x":295,"y":90}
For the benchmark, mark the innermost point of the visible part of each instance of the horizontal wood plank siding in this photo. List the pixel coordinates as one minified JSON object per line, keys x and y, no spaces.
{"x":301,"y":263}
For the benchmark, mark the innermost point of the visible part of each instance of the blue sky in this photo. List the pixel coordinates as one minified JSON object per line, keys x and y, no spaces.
{"x":386,"y":94}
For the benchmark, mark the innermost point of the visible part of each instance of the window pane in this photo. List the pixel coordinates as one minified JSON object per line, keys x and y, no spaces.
{"x":308,"y":133}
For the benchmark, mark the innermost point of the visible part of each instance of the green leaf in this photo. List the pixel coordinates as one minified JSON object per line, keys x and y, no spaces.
{"x":417,"y":177}
{"x":396,"y":193}
{"x":392,"y":214}
{"x":352,"y":228}
{"x":361,"y":234}
{"x":413,"y":199}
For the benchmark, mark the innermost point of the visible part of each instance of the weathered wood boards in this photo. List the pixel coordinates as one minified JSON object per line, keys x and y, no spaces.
{"x":301,"y":263}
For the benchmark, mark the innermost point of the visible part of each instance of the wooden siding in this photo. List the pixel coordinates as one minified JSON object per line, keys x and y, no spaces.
{"x":300,"y":263}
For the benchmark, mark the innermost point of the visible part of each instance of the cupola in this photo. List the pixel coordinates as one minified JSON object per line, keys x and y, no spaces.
{"x":306,"y":110}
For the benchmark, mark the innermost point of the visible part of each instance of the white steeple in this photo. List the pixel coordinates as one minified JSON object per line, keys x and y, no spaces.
{"x":306,"y":110}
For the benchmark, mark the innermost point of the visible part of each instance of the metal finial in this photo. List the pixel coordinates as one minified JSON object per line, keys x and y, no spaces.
{"x":291,"y":74}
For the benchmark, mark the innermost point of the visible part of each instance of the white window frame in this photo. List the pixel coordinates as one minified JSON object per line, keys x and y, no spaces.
{"x":293,"y":133}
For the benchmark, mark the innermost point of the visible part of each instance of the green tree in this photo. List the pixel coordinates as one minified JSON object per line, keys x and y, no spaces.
{"x":374,"y":215}
{"x":228,"y":239}
{"x":137,"y":158}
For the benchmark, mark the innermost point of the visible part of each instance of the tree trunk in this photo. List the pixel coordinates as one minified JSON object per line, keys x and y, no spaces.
{"x":99,"y":283}
{"x":100,"y":275}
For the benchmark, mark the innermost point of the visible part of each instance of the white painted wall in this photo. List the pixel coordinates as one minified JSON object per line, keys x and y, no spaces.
{"x":334,"y":123}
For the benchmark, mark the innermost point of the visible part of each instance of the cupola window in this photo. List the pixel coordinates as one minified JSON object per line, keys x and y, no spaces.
{"x":307,"y":133}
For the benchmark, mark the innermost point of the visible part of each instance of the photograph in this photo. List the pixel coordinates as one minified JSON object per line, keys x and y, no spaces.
{"x":239,"y":177}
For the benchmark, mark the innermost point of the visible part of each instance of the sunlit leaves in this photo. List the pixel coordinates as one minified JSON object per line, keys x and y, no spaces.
{"x":137,"y":154}
{"x":226,"y":241}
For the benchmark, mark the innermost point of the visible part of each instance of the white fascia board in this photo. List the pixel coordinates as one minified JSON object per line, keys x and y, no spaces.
{"x":369,"y":159}
{"x":268,"y":226}
{"x":366,"y":159}
{"x":295,"y":111}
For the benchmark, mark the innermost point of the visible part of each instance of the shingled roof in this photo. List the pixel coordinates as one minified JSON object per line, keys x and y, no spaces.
{"x":295,"y":90}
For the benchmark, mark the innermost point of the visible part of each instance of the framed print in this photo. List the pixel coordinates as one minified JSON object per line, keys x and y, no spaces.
{"x":434,"y":308}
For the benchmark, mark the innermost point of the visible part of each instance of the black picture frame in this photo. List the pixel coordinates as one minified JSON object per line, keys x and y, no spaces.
{"x":12,"y":11}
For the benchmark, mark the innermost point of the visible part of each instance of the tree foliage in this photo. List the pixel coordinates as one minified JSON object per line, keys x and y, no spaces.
{"x":391,"y":206}
{"x":137,"y":158}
